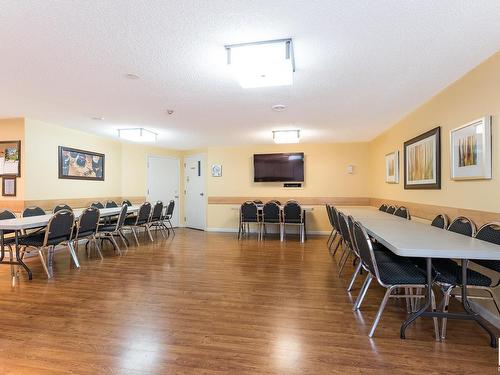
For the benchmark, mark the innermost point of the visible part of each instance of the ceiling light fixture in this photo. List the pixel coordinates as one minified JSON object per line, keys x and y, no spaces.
{"x":137,"y":135}
{"x":262,"y":64}
{"x":97,"y":118}
{"x":278,"y":107}
{"x":286,"y":136}
{"x":170,"y":111}
{"x":131,"y":76}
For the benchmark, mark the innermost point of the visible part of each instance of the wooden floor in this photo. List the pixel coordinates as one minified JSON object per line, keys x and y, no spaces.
{"x":204,"y":303}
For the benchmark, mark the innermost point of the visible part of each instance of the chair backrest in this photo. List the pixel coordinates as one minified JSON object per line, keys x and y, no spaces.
{"x":88,"y":220}
{"x":271,"y":212}
{"x":383,"y":208}
{"x":33,"y":211}
{"x":122,"y":216}
{"x":157,"y":211}
{"x":335,"y":218}
{"x":257,"y":201}
{"x":329,"y":213}
{"x":143,"y":214}
{"x":403,"y":212}
{"x":277,"y":202}
{"x":60,"y":226}
{"x":350,"y":224}
{"x":60,"y":207}
{"x":440,"y":221}
{"x":127,"y":202}
{"x":292,"y":212}
{"x":391,"y":209}
{"x":365,"y":248}
{"x":249,"y":211}
{"x":463,"y":225}
{"x":97,"y":205}
{"x":6,"y":215}
{"x":344,"y":229}
{"x":489,"y":232}
{"x":111,"y":204}
{"x":170,"y":208}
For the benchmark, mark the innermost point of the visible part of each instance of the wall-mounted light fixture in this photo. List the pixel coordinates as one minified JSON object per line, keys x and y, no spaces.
{"x":262,"y":64}
{"x":137,"y":135}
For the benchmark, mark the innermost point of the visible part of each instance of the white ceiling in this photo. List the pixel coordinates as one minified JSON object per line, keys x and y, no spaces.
{"x":361,"y":65}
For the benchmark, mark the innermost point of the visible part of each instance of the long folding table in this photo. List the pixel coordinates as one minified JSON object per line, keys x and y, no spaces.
{"x":20,"y":224}
{"x":409,"y":238}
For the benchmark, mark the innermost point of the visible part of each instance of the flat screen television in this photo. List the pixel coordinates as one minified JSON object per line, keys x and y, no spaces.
{"x":278,"y":167}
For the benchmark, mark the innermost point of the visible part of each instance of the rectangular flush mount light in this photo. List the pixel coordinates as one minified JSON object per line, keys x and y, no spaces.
{"x":286,"y":136}
{"x":262,"y":64}
{"x":137,"y":135}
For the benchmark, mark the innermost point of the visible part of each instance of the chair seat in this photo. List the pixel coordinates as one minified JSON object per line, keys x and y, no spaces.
{"x":131,"y":221}
{"x":272,"y":220}
{"x":383,"y":254}
{"x":107,"y":228}
{"x":404,"y":272}
{"x":293,"y":221}
{"x":449,"y":272}
{"x":36,"y":240}
{"x":86,"y":234}
{"x":491,"y":264}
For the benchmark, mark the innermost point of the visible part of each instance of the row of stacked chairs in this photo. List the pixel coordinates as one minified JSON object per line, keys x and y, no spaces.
{"x":271,"y":213}
{"x":63,"y":229}
{"x":406,"y":277}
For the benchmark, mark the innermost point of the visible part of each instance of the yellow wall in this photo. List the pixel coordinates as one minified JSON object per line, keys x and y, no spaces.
{"x":13,"y":130}
{"x":475,"y":95}
{"x":42,"y":181}
{"x":325,"y":176}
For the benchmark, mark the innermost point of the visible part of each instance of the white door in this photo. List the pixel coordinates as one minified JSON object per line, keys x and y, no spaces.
{"x":163,"y":183}
{"x":195,"y":202}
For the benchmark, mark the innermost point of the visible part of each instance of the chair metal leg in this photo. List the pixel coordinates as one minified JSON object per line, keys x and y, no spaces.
{"x":446,"y":302}
{"x":98,"y":249}
{"x":115,"y":245}
{"x":435,"y":319}
{"x":135,"y":236}
{"x":354,"y":276}
{"x":74,"y":256}
{"x":149,"y":233}
{"x":348,"y":254}
{"x":122,"y":237}
{"x":380,"y":311}
{"x":362,"y":292}
{"x":42,"y":260}
{"x":337,"y":246}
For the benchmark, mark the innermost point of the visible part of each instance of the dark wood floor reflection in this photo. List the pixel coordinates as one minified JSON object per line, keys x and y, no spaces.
{"x":204,"y":303}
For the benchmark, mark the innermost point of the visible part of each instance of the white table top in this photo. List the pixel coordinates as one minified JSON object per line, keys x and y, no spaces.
{"x":415,"y":239}
{"x":42,"y":220}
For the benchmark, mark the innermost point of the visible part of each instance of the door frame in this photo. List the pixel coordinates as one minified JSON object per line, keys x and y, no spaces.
{"x":179,"y":190}
{"x":203,"y":157}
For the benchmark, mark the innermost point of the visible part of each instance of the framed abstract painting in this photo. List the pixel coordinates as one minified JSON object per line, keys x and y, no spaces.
{"x":470,"y":147}
{"x":422,"y":161}
{"x":392,"y":168}
{"x":80,"y":165}
{"x":10,"y":158}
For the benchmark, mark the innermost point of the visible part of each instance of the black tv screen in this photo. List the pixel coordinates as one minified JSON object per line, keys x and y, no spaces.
{"x":278,"y":167}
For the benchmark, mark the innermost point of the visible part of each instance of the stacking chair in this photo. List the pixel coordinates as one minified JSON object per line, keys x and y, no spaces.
{"x":111,"y":204}
{"x":294,"y":215}
{"x":127,"y":202}
{"x":271,"y":214}
{"x":390,"y":275}
{"x":60,"y":207}
{"x":86,"y":228}
{"x":97,"y":205}
{"x":403,"y":212}
{"x":391,"y":209}
{"x":333,"y":232}
{"x":140,"y":221}
{"x":30,"y":212}
{"x":440,"y":221}
{"x":110,"y":231}
{"x":336,"y":223}
{"x":383,"y":208}
{"x":346,"y":241}
{"x":169,"y":212}
{"x":249,"y":214}
{"x":9,"y":241}
{"x":59,"y":231}
{"x":156,"y":220}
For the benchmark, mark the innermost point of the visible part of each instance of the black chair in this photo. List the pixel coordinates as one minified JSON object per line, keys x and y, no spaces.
{"x":440,"y":221}
{"x":336,"y":223}
{"x":9,"y":240}
{"x":140,"y":221}
{"x":86,"y":228}
{"x":383,"y":208}
{"x":277,"y":202}
{"x":403,"y":212}
{"x":258,"y":201}
{"x":60,"y":207}
{"x":391,"y":209}
{"x":169,"y":212}
{"x":31,"y":212}
{"x":294,"y":215}
{"x":333,"y":231}
{"x":249,"y":213}
{"x":59,"y":232}
{"x":463,"y":225}
{"x":395,"y":275}
{"x":97,"y":205}
{"x":271,"y":214}
{"x":111,"y":204}
{"x":346,"y":241}
{"x":127,"y":202}
{"x":110,"y":231}
{"x":156,"y":220}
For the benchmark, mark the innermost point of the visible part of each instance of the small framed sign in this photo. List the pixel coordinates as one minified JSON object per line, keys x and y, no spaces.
{"x":216,"y":170}
{"x":9,"y":186}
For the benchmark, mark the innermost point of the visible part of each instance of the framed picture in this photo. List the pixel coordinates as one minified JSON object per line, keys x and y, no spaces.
{"x":9,"y":186}
{"x":422,"y":161}
{"x":470,"y":147}
{"x":216,"y":170}
{"x":80,"y":165}
{"x":10,"y":158}
{"x":392,"y":168}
